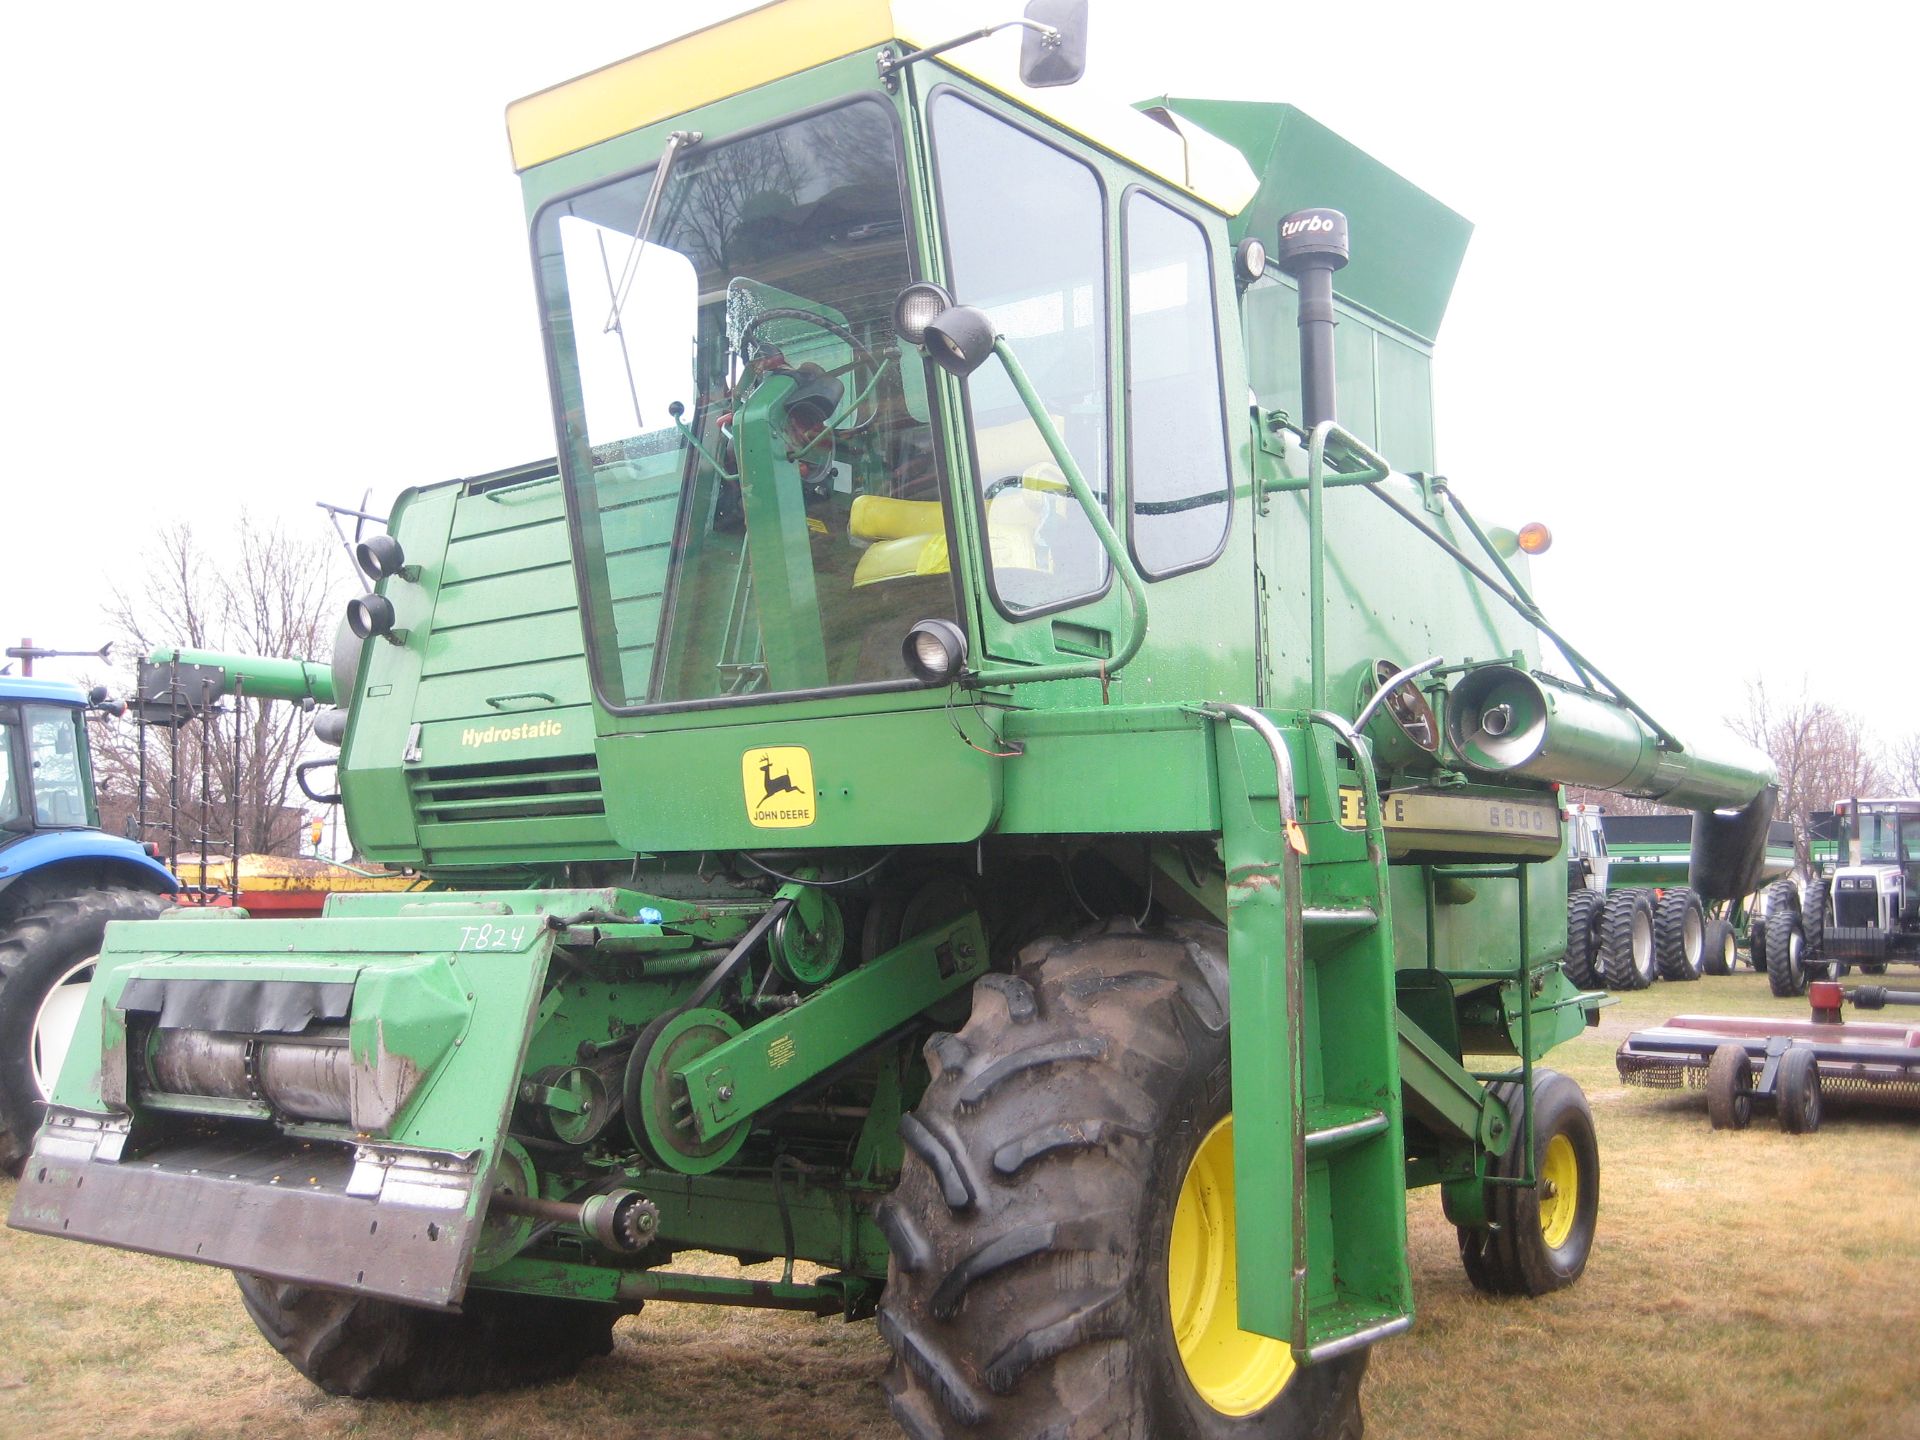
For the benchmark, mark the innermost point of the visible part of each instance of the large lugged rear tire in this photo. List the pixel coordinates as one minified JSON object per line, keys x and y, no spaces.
{"x":46,"y":960}
{"x":1626,"y":940}
{"x":1786,"y":942}
{"x":1539,"y":1239}
{"x":1718,"y":950}
{"x":1813,"y":924}
{"x":1583,"y":937}
{"x":376,"y":1349}
{"x":1679,"y":935}
{"x":1050,"y":1206}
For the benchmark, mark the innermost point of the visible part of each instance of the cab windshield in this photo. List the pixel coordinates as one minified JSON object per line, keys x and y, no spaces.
{"x":748,"y":450}
{"x":1888,"y":839}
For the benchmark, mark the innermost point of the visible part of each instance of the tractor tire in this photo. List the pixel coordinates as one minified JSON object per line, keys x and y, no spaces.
{"x":1813,"y":924}
{"x":1757,"y":942}
{"x":1626,"y":940}
{"x":1538,"y":1240}
{"x":1873,"y":967}
{"x":1679,"y":935}
{"x":1718,"y":951}
{"x":376,"y":1349}
{"x":1583,"y":938}
{"x":1798,"y":1086}
{"x":1069,"y":1139}
{"x":46,"y":960}
{"x":1786,"y":943}
{"x":1730,"y":1088}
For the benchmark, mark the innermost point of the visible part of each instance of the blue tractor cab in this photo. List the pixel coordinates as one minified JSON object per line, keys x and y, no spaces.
{"x":48,"y":814}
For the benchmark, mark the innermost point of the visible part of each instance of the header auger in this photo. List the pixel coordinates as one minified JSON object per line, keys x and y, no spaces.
{"x":930,"y":814}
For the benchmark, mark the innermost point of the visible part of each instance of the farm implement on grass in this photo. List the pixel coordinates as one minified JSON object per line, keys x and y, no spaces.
{"x":1743,"y":1060}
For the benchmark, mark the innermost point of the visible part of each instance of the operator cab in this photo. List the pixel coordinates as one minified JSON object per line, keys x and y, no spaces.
{"x":1877,"y":885}
{"x":45,"y":780}
{"x":749,"y":453}
{"x":1587,"y":860}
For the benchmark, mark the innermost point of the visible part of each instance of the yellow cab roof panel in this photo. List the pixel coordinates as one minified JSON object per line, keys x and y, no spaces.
{"x":788,"y":36}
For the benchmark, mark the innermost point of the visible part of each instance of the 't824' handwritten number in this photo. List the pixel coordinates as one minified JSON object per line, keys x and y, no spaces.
{"x":488,"y":936}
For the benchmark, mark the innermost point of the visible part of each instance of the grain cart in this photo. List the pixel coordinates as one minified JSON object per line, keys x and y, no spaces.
{"x":1618,"y":935}
{"x":1032,"y":829}
{"x":1653,"y":853}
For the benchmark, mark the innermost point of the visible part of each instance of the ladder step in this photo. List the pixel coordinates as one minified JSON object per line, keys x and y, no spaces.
{"x":1335,"y":1127}
{"x":1343,"y":1325}
{"x":1338,"y":919}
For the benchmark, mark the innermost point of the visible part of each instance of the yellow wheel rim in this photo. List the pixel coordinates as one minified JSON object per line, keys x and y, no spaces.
{"x":1234,"y":1371}
{"x":1559,"y":1191}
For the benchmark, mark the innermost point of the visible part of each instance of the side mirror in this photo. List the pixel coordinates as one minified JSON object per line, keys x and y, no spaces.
{"x":1061,"y":59}
{"x":959,"y":340}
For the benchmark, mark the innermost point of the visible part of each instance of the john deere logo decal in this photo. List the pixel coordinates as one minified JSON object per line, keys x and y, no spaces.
{"x":778,"y":781}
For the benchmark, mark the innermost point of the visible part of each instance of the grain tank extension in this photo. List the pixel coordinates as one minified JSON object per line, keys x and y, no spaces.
{"x":1024,"y":829}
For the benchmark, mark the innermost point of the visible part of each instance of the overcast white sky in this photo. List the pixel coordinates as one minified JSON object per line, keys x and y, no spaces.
{"x":266,"y":254}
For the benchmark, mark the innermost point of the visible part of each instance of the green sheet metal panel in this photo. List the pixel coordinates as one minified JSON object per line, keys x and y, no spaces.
{"x":1407,"y":246}
{"x":472,"y":743}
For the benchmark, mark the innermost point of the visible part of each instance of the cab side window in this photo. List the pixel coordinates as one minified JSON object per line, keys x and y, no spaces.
{"x":1025,"y":229}
{"x":1177,"y":439}
{"x":59,"y":795}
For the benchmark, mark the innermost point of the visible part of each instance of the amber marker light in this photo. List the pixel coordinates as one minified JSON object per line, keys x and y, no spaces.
{"x":1535,"y":538}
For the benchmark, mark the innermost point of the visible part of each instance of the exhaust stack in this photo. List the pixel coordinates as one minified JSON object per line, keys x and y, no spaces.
{"x":1313,"y":244}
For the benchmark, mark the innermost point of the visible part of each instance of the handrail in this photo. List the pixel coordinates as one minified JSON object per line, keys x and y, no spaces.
{"x":1102,"y":669}
{"x":1517,"y":598}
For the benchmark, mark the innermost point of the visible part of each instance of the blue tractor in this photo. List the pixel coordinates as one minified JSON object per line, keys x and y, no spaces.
{"x":62,"y":882}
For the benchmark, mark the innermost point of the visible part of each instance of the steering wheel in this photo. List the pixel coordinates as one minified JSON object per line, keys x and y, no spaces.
{"x":861,"y":354}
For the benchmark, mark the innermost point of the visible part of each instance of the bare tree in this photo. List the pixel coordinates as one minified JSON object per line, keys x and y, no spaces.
{"x":267,"y":594}
{"x":1903,"y":765}
{"x":1822,"y":754}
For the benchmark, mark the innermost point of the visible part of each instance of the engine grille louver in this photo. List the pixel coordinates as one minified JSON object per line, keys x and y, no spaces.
{"x":513,"y":790}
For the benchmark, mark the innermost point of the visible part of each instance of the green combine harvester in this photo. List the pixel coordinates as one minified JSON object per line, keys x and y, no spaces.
{"x":1047,"y":826}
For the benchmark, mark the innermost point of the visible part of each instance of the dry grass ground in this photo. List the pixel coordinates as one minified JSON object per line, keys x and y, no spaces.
{"x":1752,"y":1285}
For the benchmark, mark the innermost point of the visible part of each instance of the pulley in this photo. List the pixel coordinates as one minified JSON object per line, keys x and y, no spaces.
{"x":809,"y":941}
{"x":505,"y":1231}
{"x":567,"y":1103}
{"x":658,"y":1110}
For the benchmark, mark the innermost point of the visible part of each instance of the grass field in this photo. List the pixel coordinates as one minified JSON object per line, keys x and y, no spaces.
{"x":1749,"y":1285}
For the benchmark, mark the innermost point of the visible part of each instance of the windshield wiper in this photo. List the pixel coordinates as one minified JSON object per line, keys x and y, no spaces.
{"x":642,"y":232}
